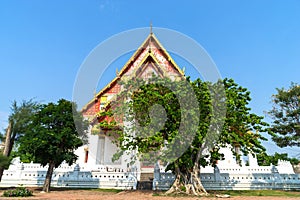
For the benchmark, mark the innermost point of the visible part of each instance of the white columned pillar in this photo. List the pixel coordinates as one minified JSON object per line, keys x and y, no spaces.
{"x":100,"y":150}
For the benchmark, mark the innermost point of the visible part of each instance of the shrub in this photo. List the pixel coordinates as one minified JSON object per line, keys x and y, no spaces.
{"x":18,"y":192}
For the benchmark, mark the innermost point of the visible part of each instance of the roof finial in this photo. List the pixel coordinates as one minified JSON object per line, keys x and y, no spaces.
{"x":95,"y":94}
{"x":149,"y":50}
{"x":151,"y":28}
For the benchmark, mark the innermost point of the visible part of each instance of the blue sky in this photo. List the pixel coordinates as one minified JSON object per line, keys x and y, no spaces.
{"x":43,"y":43}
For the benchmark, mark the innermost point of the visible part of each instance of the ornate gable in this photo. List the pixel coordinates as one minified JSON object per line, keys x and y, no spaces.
{"x":150,"y":58}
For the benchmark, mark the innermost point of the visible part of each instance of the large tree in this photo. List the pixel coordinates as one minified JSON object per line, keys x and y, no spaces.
{"x":18,"y":121}
{"x":52,"y":137}
{"x":286,"y":116}
{"x":160,"y":117}
{"x":240,"y":131}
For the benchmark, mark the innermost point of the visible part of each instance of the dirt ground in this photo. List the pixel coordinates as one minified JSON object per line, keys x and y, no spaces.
{"x":127,"y":195}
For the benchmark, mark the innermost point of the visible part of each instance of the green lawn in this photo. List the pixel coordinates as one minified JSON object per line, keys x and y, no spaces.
{"x":107,"y":190}
{"x":257,"y":193}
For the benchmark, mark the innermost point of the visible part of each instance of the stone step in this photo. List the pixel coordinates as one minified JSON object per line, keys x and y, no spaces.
{"x":146,"y":176}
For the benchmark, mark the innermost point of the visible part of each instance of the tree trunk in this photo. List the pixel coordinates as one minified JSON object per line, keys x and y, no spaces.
{"x":1,"y":172}
{"x":196,"y":182}
{"x":6,"y":150}
{"x":193,"y":186}
{"x":188,"y":182}
{"x":47,"y":183}
{"x":7,"y":147}
{"x":176,"y":186}
{"x":197,"y":187}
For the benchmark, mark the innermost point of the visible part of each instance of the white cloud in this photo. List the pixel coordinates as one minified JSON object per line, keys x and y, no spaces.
{"x":111,"y":6}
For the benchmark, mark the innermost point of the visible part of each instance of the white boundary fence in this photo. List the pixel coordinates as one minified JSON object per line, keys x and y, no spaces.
{"x":31,"y":174}
{"x":100,"y":176}
{"x":259,"y":179}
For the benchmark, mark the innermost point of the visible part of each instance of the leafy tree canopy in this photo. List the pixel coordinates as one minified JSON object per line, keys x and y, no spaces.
{"x":264,"y":159}
{"x":51,"y":137}
{"x":158,"y":117}
{"x":18,"y":121}
{"x":286,"y":116}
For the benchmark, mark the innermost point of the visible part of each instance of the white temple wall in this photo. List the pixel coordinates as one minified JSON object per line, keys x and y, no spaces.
{"x":284,"y":167}
{"x":100,"y":150}
{"x":80,"y":152}
{"x":110,"y":150}
{"x":93,"y":149}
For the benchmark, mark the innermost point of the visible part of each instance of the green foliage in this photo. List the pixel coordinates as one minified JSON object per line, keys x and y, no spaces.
{"x":81,"y":124}
{"x":286,"y":116}
{"x":18,"y":121}
{"x":4,"y":161}
{"x":242,"y":128}
{"x":2,"y":137}
{"x":265,"y":160}
{"x":155,"y":110}
{"x":51,"y":136}
{"x":20,"y":117}
{"x":223,"y":116}
{"x":18,"y":192}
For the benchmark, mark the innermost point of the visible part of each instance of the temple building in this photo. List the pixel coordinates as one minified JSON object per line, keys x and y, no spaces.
{"x":95,"y":169}
{"x":150,"y":58}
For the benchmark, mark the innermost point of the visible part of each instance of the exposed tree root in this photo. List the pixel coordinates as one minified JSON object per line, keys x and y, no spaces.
{"x":188,"y":181}
{"x":176,"y":187}
{"x":192,"y":187}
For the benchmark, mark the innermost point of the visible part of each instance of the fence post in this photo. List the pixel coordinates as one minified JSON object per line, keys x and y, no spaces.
{"x":156,"y":176}
{"x":217,"y":174}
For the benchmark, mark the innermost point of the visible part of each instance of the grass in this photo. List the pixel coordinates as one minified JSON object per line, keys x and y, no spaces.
{"x":107,"y":190}
{"x":90,"y":189}
{"x":69,"y":189}
{"x":278,"y":193}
